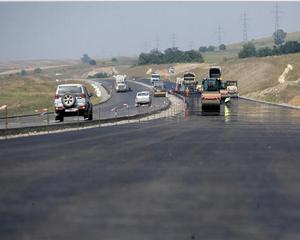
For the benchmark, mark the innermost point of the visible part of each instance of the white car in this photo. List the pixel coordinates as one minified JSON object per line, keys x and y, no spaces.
{"x":143,"y":98}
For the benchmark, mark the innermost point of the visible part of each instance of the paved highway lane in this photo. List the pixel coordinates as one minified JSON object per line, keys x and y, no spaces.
{"x":112,"y":108}
{"x":200,"y":177}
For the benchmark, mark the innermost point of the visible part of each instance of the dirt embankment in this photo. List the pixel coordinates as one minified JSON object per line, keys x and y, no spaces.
{"x":274,"y":79}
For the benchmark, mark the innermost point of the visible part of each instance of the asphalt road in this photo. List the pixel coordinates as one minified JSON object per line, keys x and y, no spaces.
{"x":114,"y":107}
{"x":229,"y":175}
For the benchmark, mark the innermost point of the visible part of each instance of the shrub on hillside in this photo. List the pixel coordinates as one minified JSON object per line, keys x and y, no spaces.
{"x":248,"y":50}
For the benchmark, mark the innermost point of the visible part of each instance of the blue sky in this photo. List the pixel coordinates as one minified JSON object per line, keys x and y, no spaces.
{"x":41,"y":30}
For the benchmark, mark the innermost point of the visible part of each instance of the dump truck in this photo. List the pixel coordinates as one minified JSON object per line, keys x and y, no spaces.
{"x":232,"y":88}
{"x":211,"y":96}
{"x":189,"y":80}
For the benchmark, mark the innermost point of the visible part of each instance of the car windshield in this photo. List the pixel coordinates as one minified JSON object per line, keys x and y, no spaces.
{"x":155,"y":76}
{"x":211,"y":85}
{"x":69,"y":89}
{"x":143,"y":94}
{"x":231,"y":83}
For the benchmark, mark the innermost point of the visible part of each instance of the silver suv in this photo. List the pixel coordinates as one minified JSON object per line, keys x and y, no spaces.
{"x":73,"y":100}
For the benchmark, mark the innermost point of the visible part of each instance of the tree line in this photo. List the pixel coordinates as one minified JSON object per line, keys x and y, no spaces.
{"x":170,"y":55}
{"x":280,"y":47}
{"x":249,"y":50}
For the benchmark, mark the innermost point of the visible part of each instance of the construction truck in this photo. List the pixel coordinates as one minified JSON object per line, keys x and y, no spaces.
{"x":211,"y":96}
{"x":189,"y":81}
{"x":232,"y":88}
{"x":215,"y":72}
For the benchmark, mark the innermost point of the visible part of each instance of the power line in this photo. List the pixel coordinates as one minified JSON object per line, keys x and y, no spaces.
{"x":191,"y":45}
{"x":157,"y":40}
{"x":245,"y":27}
{"x":146,"y":46}
{"x":219,"y":34}
{"x":173,"y":40}
{"x":276,"y":13}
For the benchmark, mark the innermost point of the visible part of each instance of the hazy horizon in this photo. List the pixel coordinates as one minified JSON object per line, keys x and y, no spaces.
{"x":66,"y":30}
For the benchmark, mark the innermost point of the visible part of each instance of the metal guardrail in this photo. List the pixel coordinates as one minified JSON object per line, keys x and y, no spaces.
{"x":75,"y":125}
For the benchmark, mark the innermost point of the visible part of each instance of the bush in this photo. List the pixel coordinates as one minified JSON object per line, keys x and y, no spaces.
{"x":211,"y":48}
{"x":23,"y":73}
{"x":85,"y":58}
{"x":248,"y":50}
{"x":114,"y":59}
{"x":279,"y":37}
{"x":92,"y":62}
{"x":203,"y":49}
{"x":263,"y":52}
{"x":37,"y":70}
{"x":222,"y":47}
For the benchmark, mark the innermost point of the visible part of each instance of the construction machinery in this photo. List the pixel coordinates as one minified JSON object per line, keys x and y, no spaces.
{"x":189,"y":80}
{"x":211,"y":96}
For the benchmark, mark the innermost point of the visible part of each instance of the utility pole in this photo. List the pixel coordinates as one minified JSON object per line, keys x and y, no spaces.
{"x":157,"y":42}
{"x":219,"y":32}
{"x":276,"y":13}
{"x":146,"y":46}
{"x":245,"y":28}
{"x":173,"y":40}
{"x":191,"y":45}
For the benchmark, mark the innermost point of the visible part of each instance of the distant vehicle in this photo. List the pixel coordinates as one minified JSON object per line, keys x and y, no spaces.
{"x":211,"y":97}
{"x":199,"y":88}
{"x":121,"y":83}
{"x":159,"y":89}
{"x":223,"y":90}
{"x":179,"y":88}
{"x":73,"y":100}
{"x":214,"y":72}
{"x":155,"y":78}
{"x":232,"y":88}
{"x":171,"y":69}
{"x":189,"y":80}
{"x":143,"y":98}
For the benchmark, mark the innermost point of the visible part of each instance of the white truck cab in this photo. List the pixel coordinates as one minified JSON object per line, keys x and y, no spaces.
{"x":121,"y":83}
{"x":154,"y":78}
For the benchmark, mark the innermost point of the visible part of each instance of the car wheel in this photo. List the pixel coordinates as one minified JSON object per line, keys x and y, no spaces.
{"x":68,"y":100}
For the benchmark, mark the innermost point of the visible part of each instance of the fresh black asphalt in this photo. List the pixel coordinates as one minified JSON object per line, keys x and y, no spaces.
{"x":233,"y":175}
